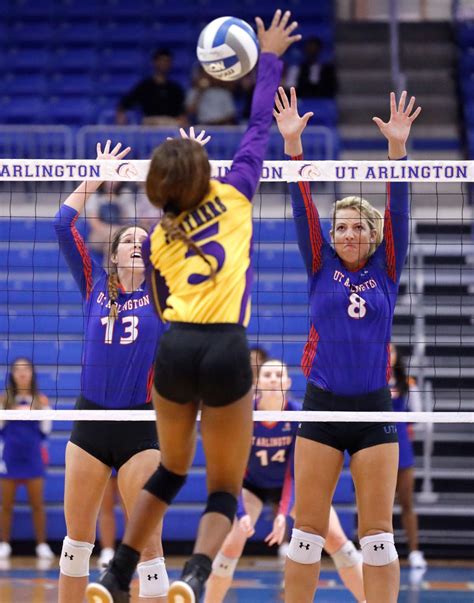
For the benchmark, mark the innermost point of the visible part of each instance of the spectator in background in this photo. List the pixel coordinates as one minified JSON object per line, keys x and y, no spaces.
{"x":23,"y":455}
{"x":106,"y":521}
{"x":405,"y":396}
{"x":112,"y":206}
{"x":312,"y":78}
{"x":159,"y":99}
{"x":210,"y":101}
{"x":258,"y":357}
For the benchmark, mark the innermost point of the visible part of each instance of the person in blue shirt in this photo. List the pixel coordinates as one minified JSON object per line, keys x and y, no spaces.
{"x":353,"y":286}
{"x":406,"y":396}
{"x":121,"y":333}
{"x":23,"y":455}
{"x":269,"y":479}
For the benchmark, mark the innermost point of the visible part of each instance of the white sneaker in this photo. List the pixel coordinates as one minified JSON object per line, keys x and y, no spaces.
{"x":417,"y":560}
{"x":106,"y":556}
{"x":43,"y":551}
{"x":5,"y":550}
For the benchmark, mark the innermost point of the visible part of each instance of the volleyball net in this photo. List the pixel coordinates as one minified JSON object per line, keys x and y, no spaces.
{"x":41,"y":314}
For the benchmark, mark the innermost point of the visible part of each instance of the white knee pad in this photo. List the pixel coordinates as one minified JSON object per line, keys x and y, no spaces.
{"x":223,"y":566}
{"x":346,"y":556}
{"x":75,"y":557}
{"x":153,"y":578}
{"x":304,"y":547}
{"x":378,"y":549}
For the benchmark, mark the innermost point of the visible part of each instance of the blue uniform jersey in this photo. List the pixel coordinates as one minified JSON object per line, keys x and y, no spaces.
{"x":118,"y":355}
{"x":351,"y":311}
{"x":271,"y":457}
{"x":406,"y":455}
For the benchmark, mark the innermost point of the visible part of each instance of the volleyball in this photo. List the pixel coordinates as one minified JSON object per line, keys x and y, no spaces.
{"x":227,"y":48}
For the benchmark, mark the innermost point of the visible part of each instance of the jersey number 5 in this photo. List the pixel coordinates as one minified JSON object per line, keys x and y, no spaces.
{"x":357,"y":307}
{"x":130,"y":331}
{"x":211,"y":248}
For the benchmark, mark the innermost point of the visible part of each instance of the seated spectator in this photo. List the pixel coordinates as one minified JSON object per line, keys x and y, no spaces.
{"x":210,"y":101}
{"x":112,"y":206}
{"x":23,"y":457}
{"x":159,"y":99}
{"x":312,"y":78}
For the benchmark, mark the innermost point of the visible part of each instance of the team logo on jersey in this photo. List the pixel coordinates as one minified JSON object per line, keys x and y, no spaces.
{"x":309,"y":170}
{"x":286,"y":427}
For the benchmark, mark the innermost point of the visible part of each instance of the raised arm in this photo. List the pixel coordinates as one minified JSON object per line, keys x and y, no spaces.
{"x":305,"y":214}
{"x":397,"y":210}
{"x":84,"y":270}
{"x":247,"y":164}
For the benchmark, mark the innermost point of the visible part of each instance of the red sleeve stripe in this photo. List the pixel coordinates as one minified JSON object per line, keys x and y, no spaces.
{"x":149,"y":383}
{"x":285,"y":499}
{"x":388,"y":370}
{"x":315,"y":235}
{"x":389,"y":242}
{"x":309,"y":352}
{"x":86,"y":260}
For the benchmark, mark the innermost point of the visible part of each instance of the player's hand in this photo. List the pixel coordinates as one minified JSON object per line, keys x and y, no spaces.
{"x":192,"y":136}
{"x":245,"y":524}
{"x":115,"y":153}
{"x":278,"y":532}
{"x":277,"y":38}
{"x":397,"y":129}
{"x":289,"y":123}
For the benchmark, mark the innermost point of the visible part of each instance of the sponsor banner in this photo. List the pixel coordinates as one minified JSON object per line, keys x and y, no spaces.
{"x":289,"y":171}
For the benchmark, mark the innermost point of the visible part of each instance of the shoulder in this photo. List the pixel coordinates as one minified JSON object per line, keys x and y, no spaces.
{"x":43,"y":400}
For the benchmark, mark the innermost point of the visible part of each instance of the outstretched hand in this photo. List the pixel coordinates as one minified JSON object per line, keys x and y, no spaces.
{"x":289,"y":123}
{"x":397,"y":129}
{"x":277,"y":38}
{"x":115,"y":153}
{"x":192,"y":136}
{"x":278,"y":532}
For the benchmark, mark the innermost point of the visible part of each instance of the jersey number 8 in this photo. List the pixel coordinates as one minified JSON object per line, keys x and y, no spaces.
{"x":357,"y":307}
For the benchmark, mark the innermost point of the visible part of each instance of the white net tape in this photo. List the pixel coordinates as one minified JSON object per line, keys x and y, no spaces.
{"x":273,"y":171}
{"x":302,"y":416}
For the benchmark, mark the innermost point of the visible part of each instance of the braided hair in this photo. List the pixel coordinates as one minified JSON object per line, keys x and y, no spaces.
{"x":177,"y":181}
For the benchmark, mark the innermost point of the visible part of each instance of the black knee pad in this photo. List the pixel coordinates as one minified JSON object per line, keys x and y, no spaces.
{"x":165,"y":484}
{"x":223,"y":503}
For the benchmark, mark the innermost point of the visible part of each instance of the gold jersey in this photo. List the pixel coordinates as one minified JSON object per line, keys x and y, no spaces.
{"x":182,"y":287}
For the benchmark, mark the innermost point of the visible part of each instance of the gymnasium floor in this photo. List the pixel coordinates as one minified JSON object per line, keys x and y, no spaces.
{"x":258,"y":581}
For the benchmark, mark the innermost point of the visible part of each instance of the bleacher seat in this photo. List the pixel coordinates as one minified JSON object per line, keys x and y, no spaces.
{"x":123,"y":60}
{"x":73,"y":110}
{"x":28,"y":60}
{"x":77,"y":33}
{"x":30,"y":33}
{"x":31,"y":9}
{"x":71,"y":84}
{"x":27,"y":109}
{"x":83,"y":59}
{"x":118,"y":33}
{"x":22,"y":84}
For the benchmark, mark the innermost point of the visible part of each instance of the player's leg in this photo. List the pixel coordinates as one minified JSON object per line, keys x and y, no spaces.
{"x":86,"y":479}
{"x":35,"y":488}
{"x":6,"y":511}
{"x":374,"y":471}
{"x":177,"y":437}
{"x":106,"y":522}
{"x":405,"y":489}
{"x":226,"y":434}
{"x":346,"y":557}
{"x":317,"y":470}
{"x":227,"y":558}
{"x":132,"y":476}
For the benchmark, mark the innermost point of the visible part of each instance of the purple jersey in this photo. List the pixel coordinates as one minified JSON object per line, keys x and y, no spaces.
{"x":118,"y":355}
{"x":271,"y":457}
{"x":347,"y":352}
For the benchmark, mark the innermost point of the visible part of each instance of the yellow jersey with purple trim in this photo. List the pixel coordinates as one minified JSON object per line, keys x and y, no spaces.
{"x":183,"y":289}
{"x":221,"y":225}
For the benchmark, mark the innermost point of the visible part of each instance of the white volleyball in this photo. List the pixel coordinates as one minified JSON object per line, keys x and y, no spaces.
{"x":227,"y":48}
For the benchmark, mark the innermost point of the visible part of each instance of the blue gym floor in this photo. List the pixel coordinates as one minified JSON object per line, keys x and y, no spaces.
{"x":259,"y":581}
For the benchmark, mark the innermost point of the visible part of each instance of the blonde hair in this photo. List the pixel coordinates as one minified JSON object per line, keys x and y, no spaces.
{"x":368,"y":213}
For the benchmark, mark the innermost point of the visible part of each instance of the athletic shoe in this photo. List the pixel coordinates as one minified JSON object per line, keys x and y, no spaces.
{"x":417,"y":560}
{"x":106,"y":590}
{"x":106,"y":555}
{"x":5,"y":550}
{"x":44,"y":552}
{"x":191,"y":586}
